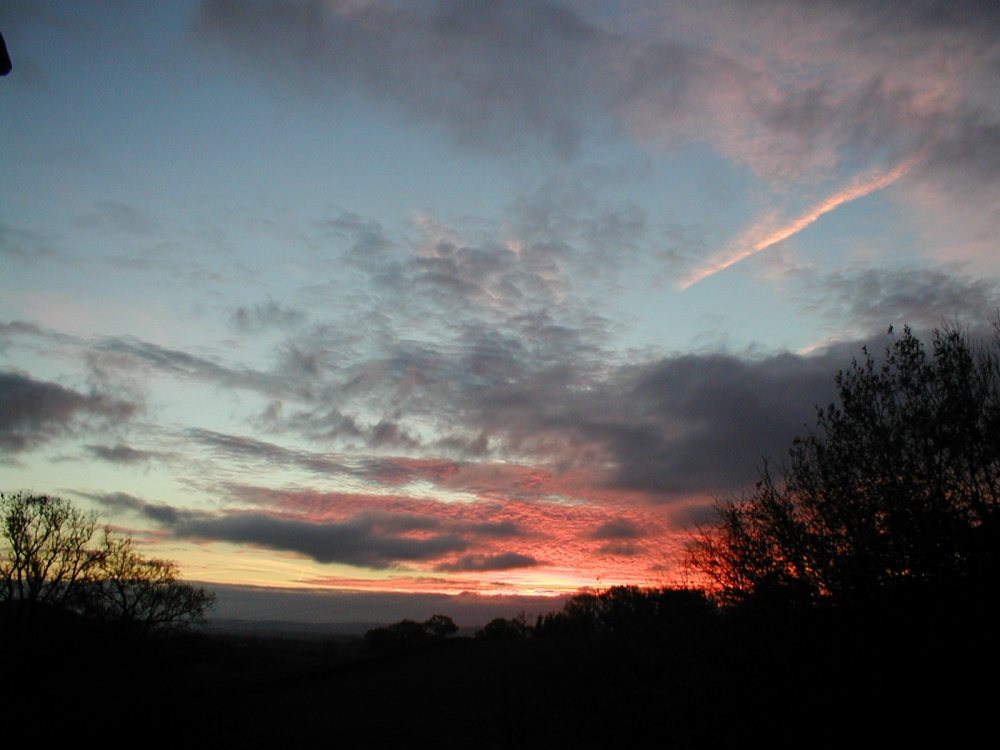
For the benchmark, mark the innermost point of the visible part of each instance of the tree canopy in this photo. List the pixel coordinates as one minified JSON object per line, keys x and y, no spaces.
{"x":407,"y":634}
{"x":897,"y":487}
{"x":54,"y":556}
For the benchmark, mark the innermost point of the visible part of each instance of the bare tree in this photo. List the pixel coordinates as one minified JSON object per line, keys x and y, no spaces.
{"x":144,"y":592}
{"x":52,"y":555}
{"x":46,"y":550}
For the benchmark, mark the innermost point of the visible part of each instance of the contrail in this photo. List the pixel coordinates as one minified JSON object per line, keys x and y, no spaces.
{"x":859,"y":189}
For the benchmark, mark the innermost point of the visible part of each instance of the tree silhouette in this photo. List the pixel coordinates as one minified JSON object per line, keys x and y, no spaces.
{"x":897,"y":488}
{"x":141,"y":592}
{"x":53,"y":559}
{"x":408,"y":634}
{"x":503,"y":629}
{"x":45,"y":552}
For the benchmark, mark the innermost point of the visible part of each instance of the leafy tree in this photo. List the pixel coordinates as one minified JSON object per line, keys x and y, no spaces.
{"x":407,"y":634}
{"x":626,"y":612}
{"x":502,"y":629}
{"x":897,"y":488}
{"x":52,"y":557}
{"x":440,"y":627}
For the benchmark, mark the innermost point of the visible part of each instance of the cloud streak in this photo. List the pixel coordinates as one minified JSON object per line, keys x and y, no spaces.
{"x":751,"y":243}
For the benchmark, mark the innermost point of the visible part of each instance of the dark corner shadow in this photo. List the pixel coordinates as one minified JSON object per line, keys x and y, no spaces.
{"x":5,"y":64}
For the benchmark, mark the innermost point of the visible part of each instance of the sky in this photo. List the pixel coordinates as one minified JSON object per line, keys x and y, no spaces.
{"x":463,"y":299}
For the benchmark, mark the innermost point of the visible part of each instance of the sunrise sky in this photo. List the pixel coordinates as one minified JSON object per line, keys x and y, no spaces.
{"x":481,"y":297}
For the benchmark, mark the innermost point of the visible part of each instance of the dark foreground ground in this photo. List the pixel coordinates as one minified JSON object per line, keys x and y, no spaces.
{"x":726,"y":683}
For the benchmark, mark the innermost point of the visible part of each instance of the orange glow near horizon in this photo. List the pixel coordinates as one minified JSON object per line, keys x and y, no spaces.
{"x":557,"y":548}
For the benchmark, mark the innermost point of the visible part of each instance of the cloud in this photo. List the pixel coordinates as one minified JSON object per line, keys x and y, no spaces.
{"x":669,"y":427}
{"x":617,"y":529}
{"x":128,"y":352}
{"x":235,"y":447}
{"x":969,"y":155}
{"x":619,"y":535}
{"x":363,"y":541}
{"x":789,"y":88}
{"x":761,"y":237}
{"x":874,"y":298}
{"x":24,"y":245}
{"x":33,"y":412}
{"x":496,"y":74}
{"x":162,"y":514}
{"x":120,"y":454}
{"x":261,"y":317}
{"x":483,"y":563}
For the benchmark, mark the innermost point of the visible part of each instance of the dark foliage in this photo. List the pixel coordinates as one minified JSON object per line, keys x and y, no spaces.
{"x":627,"y":612}
{"x":408,"y":634}
{"x":896,"y":492}
{"x":503,"y":629}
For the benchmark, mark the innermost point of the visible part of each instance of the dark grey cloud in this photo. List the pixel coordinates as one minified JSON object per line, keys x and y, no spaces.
{"x":567,"y":219}
{"x":692,"y":424}
{"x":160,"y":513}
{"x":120,"y":454}
{"x":680,"y":425}
{"x":32,"y":412}
{"x":260,"y":317}
{"x":620,"y":549}
{"x":969,"y":152}
{"x":491,"y":73}
{"x":516,"y":73}
{"x":617,"y":529}
{"x":890,"y":109}
{"x":443,"y":280}
{"x":972,"y":18}
{"x":873,"y":298}
{"x":363,"y":541}
{"x":11,"y":332}
{"x":703,"y":423}
{"x":236,"y":447}
{"x":482,"y":563}
{"x":619,"y":535}
{"x":128,"y":351}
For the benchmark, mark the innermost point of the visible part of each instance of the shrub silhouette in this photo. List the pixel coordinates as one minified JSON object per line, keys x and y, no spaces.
{"x":897,"y":489}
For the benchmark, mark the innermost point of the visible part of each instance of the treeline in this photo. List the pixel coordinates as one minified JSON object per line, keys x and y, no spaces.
{"x":617,"y":612}
{"x":408,"y":634}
